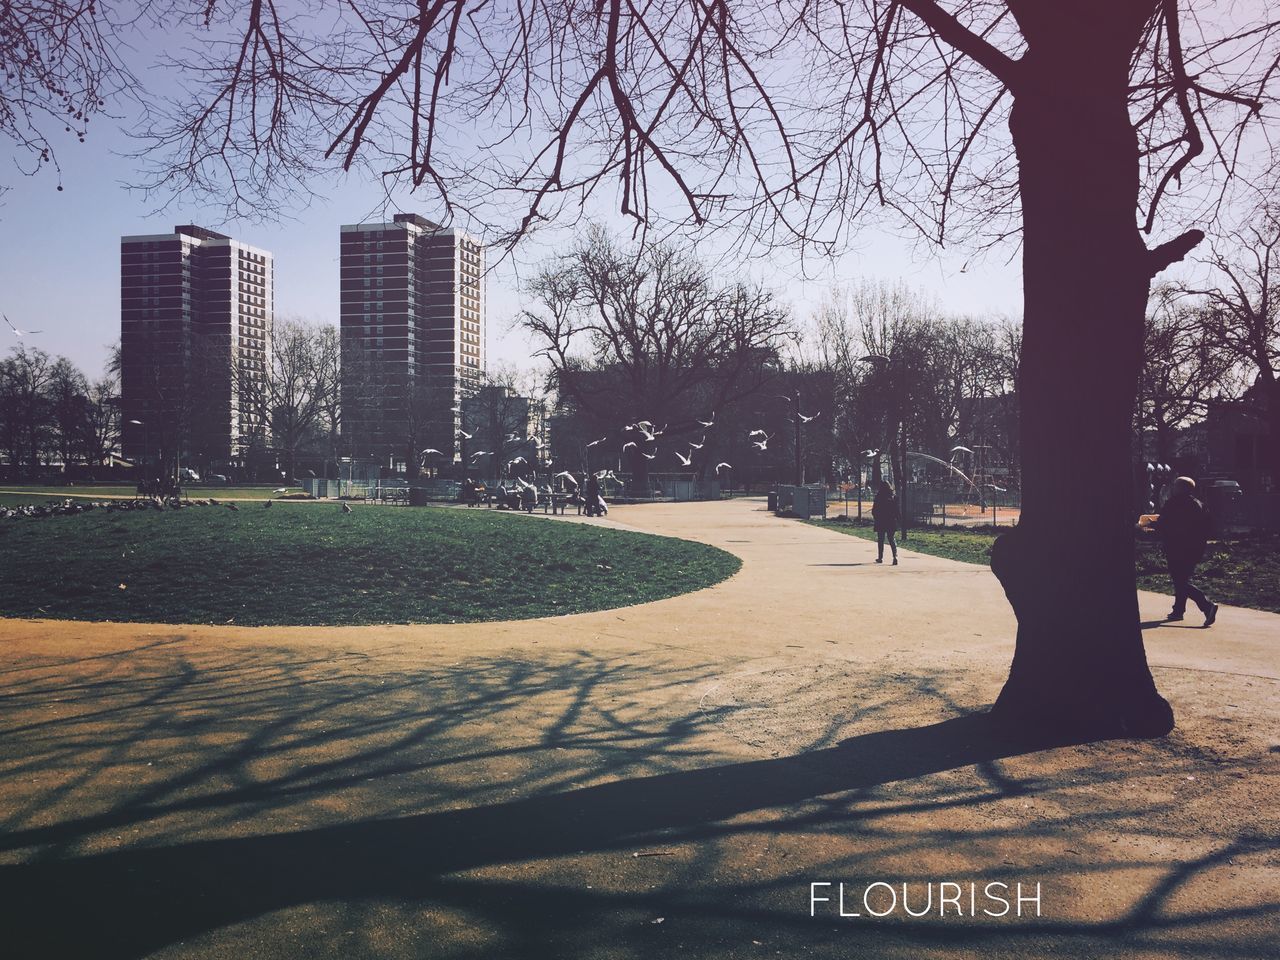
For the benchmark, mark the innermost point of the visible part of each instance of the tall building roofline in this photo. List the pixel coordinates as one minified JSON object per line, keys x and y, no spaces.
{"x":200,"y":233}
{"x":417,"y":220}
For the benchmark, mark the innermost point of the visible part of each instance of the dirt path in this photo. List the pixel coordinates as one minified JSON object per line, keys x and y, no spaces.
{"x":660,"y":780}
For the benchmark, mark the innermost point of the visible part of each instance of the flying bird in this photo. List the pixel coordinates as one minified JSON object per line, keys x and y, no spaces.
{"x":648,"y":456}
{"x":708,"y":423}
{"x":595,"y":443}
{"x":699,"y":445}
{"x":512,"y":463}
{"x":961,"y":449}
{"x":481,"y":453}
{"x":463,"y":435}
{"x":629,"y":443}
{"x":568,"y":477}
{"x":646,"y":428}
{"x":16,"y":331}
{"x":723,"y":466}
{"x":870,"y":453}
{"x":683,"y":459}
{"x":804,"y":419}
{"x":430,"y":450}
{"x":757,"y":433}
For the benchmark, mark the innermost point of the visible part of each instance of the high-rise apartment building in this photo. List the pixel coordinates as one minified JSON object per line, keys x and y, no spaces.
{"x":413,"y":335}
{"x":195,"y":318}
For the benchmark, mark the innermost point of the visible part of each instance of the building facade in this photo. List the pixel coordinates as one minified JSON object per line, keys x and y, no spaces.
{"x":413,"y":336}
{"x":196,"y":310}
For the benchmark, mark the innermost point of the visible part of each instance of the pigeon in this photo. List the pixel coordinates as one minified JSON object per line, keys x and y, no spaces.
{"x":267,"y":503}
{"x":683,"y":459}
{"x":16,"y":332}
{"x":346,"y":508}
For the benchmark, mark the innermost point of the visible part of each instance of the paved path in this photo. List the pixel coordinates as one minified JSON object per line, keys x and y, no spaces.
{"x":661,"y":780}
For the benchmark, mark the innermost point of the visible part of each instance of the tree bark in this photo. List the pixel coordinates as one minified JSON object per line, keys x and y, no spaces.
{"x":1079,"y":665}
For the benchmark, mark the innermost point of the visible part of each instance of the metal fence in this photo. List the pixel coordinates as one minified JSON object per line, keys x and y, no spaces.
{"x":927,"y":505}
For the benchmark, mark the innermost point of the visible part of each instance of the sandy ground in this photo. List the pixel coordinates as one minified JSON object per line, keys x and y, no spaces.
{"x":661,"y":780}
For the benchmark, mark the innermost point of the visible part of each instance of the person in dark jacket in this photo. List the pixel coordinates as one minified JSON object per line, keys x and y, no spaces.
{"x":591,"y":495}
{"x":1183,"y":526}
{"x":884,"y":512}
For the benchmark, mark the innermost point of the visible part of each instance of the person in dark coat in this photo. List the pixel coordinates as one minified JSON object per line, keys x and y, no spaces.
{"x":1183,"y":526}
{"x":591,"y":495}
{"x":884,"y":512}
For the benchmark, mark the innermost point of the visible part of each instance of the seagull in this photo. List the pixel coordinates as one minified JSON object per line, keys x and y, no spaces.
{"x":512,"y":463}
{"x":645,"y":427}
{"x":429,"y":450}
{"x":647,"y":456}
{"x":961,"y":449}
{"x":683,"y":459}
{"x":346,"y":508}
{"x":594,"y":443}
{"x":463,"y":435}
{"x":16,"y":331}
{"x":280,"y":490}
{"x":783,"y":396}
{"x":757,"y":433}
{"x":629,"y":443}
{"x":804,"y":419}
{"x":699,"y":445}
{"x":870,"y":453}
{"x":569,"y":477}
{"x":708,"y":423}
{"x":481,"y":453}
{"x":512,"y":437}
{"x":762,"y":444}
{"x":723,"y":466}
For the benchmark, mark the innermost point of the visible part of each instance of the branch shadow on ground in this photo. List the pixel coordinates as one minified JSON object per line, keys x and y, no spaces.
{"x":464,"y":789}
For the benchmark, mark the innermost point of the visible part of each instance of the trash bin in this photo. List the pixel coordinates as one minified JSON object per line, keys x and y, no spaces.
{"x":773,"y":500}
{"x":417,"y":497}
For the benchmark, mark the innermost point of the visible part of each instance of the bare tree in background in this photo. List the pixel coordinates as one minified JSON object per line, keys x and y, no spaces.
{"x":1183,"y":362}
{"x":645,"y":333}
{"x":1070,"y":126}
{"x":1242,"y":312}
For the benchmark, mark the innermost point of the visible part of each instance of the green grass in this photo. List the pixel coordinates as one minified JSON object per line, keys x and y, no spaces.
{"x":302,"y":563}
{"x":12,"y":494}
{"x":1243,"y":571}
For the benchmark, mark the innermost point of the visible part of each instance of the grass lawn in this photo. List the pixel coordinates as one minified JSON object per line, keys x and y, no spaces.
{"x":301,"y":563}
{"x":1243,"y":571}
{"x":13,"y":494}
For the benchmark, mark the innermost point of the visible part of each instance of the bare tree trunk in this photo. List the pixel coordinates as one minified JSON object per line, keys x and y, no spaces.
{"x":1068,"y":567}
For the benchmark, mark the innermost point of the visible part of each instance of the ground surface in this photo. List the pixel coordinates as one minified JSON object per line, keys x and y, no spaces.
{"x":310,"y":563}
{"x":661,"y":781}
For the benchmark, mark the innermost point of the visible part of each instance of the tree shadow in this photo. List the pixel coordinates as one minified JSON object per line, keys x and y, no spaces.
{"x":190,"y":797}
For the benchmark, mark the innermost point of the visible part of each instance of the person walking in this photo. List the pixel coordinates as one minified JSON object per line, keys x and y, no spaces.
{"x":884,"y":513}
{"x":591,"y":495}
{"x":1183,"y":526}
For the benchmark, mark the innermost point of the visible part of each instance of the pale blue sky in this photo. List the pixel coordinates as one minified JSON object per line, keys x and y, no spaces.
{"x":59,"y":255}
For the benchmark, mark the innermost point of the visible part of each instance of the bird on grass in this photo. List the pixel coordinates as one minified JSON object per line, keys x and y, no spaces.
{"x":232,"y":506}
{"x":266,"y":503}
{"x":280,"y":490}
{"x":346,"y":508}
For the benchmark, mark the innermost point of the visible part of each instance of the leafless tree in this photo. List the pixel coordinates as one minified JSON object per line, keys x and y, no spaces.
{"x":645,"y":333}
{"x":1183,"y":362}
{"x":1082,"y":129}
{"x":1242,"y":311}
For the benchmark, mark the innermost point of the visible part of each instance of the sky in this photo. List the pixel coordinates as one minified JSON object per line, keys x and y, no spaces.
{"x":59,"y":253}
